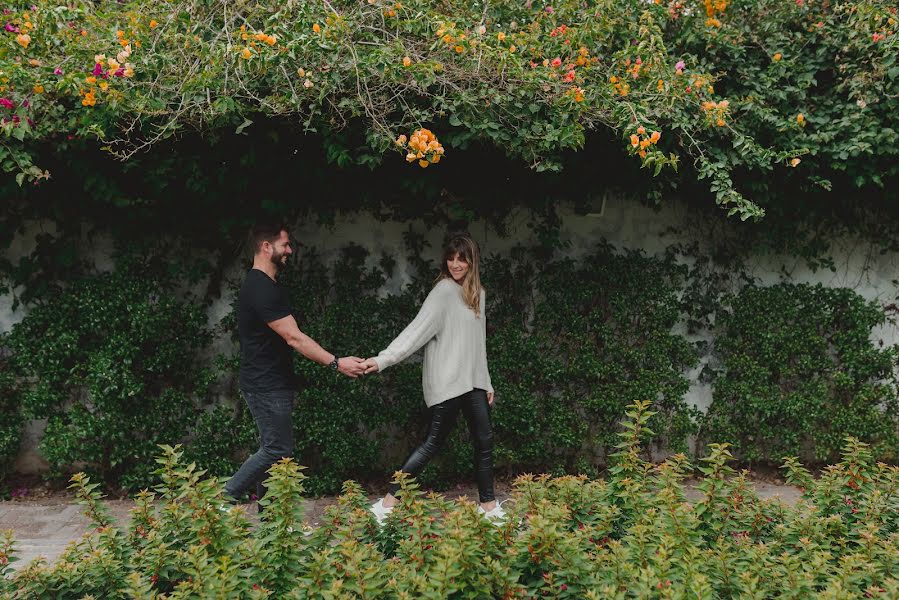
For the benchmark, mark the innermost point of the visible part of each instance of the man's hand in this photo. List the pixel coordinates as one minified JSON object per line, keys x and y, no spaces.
{"x":489,"y":398}
{"x":351,"y":366}
{"x":371,"y":366}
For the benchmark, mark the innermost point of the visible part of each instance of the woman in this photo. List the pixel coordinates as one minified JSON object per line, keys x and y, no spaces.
{"x":452,"y":328}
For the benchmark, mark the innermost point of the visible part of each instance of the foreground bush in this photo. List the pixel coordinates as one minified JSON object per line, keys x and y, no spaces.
{"x":634,"y":535}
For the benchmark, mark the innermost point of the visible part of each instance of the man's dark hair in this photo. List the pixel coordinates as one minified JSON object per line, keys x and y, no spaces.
{"x":265,"y":232}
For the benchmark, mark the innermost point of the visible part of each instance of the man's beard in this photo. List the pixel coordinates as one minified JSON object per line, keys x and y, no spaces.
{"x":279,"y":260}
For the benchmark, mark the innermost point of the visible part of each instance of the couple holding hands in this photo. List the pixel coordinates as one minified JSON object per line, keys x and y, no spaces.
{"x":451,"y":325}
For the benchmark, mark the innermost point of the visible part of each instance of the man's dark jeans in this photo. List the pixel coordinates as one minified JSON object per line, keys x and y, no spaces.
{"x":272,"y":412}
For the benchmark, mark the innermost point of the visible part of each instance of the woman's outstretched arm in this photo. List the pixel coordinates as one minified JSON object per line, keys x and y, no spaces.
{"x":423,"y":327}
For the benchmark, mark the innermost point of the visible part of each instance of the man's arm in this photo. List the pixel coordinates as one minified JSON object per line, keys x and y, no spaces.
{"x":287,"y":328}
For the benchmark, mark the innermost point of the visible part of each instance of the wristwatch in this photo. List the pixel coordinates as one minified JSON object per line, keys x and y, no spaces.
{"x":333,"y":363}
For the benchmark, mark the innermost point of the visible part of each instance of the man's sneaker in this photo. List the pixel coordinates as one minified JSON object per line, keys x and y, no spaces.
{"x":229,"y":503}
{"x":496,"y":515}
{"x":380,"y":511}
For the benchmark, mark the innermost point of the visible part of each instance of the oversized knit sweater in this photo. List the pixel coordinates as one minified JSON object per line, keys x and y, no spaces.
{"x":455,"y":341}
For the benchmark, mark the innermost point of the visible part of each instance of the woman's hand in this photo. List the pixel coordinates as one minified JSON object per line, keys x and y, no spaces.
{"x":371,"y":366}
{"x":489,"y":398}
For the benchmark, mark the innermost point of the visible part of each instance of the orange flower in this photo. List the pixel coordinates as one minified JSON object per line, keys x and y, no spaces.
{"x":38,"y":89}
{"x":512,"y":48}
{"x":778,"y":56}
{"x":654,"y":138}
{"x":83,"y":32}
{"x":459,"y":49}
{"x":720,"y":123}
{"x":642,"y":153}
{"x":401,"y":141}
{"x":635,"y":141}
{"x":795,"y":162}
{"x":800,"y":118}
{"x":641,"y":130}
{"x":423,"y":163}
{"x":245,"y":53}
{"x":119,"y":34}
{"x":316,"y":28}
{"x":89,"y":99}
{"x":104,"y":86}
{"x":447,"y":39}
{"x":23,"y":39}
{"x":501,"y":36}
{"x":153,"y":24}
{"x":91,"y":79}
{"x":270,"y":40}
{"x":407,"y":61}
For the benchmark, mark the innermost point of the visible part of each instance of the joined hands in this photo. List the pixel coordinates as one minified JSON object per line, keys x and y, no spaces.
{"x":353,"y":366}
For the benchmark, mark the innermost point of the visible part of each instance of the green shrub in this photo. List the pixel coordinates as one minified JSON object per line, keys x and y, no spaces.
{"x":633,"y":535}
{"x":799,"y":373}
{"x":113,"y":362}
{"x":10,"y":415}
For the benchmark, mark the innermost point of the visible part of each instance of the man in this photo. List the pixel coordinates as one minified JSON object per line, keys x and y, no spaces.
{"x":267,"y":332}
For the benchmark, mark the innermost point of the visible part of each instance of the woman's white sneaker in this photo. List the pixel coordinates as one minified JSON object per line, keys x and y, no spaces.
{"x":380,"y":511}
{"x":496,"y":515}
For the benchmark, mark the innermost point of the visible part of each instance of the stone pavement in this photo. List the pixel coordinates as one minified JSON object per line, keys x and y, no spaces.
{"x":45,"y":527}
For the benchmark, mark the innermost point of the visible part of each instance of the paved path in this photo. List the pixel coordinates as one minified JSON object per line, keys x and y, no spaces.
{"x":46,"y":527}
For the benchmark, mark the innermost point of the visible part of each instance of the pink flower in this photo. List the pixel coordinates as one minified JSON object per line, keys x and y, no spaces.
{"x":98,"y":69}
{"x":7,"y":103}
{"x":680,"y":65}
{"x":557,"y":62}
{"x":569,"y":76}
{"x":57,"y":71}
{"x":120,"y":72}
{"x":550,"y":10}
{"x":12,"y":28}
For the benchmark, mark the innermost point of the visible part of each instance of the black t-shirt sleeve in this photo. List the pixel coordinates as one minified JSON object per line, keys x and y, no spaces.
{"x":271,"y":303}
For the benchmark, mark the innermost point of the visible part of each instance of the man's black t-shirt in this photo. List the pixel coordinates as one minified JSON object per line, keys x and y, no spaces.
{"x":265,"y":358}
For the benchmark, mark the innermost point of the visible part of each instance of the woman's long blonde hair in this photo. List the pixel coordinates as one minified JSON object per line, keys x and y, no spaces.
{"x":463,"y":245}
